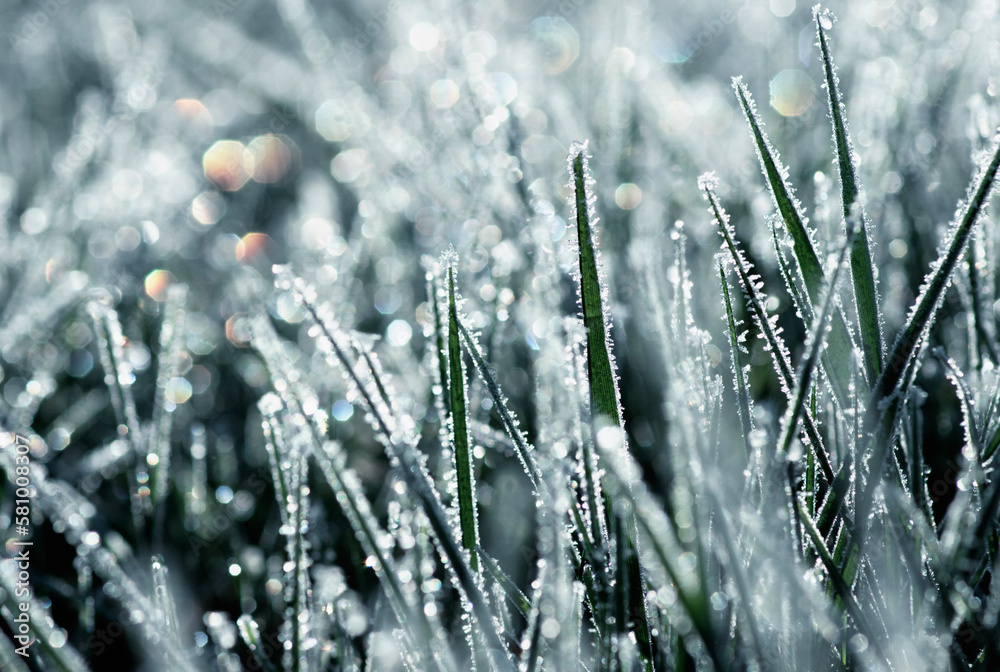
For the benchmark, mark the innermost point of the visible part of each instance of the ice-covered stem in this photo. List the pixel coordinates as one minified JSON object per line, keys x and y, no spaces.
{"x":461,"y":449}
{"x":18,"y":597}
{"x":169,"y":366}
{"x":604,"y":398}
{"x":250,"y":634}
{"x":862,"y":269}
{"x":331,"y":463}
{"x":166,"y":612}
{"x":118,"y":376}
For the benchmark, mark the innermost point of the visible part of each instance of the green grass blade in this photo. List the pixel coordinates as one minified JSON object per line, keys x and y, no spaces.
{"x":836,"y":359}
{"x":786,"y":273}
{"x":862,"y":269}
{"x":603,"y":387}
{"x":402,"y":447}
{"x":965,"y":397}
{"x":460,"y":432}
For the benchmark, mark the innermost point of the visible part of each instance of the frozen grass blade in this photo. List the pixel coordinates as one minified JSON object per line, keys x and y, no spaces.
{"x":166,"y":613}
{"x":836,"y":359}
{"x":169,"y":364}
{"x":118,"y":376}
{"x":10,"y":660}
{"x":600,"y":369}
{"x":47,"y":647}
{"x":605,"y":404}
{"x":250,"y":634}
{"x":346,"y":486}
{"x":862,"y":268}
{"x":460,"y":433}
{"x":637,"y":613}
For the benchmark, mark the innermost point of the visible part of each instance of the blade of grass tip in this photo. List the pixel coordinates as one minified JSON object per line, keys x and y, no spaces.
{"x":605,"y":400}
{"x":836,"y":360}
{"x":925,"y":308}
{"x":460,"y":432}
{"x":862,"y":268}
{"x":603,"y":387}
{"x":510,"y":589}
{"x":737,"y":348}
{"x":901,"y":359}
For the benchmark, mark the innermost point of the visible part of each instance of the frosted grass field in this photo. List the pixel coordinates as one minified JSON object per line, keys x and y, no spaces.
{"x":496,"y":336}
